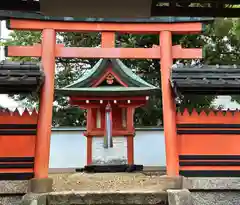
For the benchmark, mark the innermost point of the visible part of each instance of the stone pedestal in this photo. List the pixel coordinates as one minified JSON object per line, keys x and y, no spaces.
{"x":40,"y":185}
{"x":179,"y":197}
{"x":171,"y":182}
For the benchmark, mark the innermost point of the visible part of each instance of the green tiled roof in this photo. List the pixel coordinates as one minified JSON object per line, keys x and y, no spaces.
{"x":83,"y":86}
{"x":126,"y":74}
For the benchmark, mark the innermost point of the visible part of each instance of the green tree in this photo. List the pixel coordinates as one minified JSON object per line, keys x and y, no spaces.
{"x":224,"y":44}
{"x":221,"y":45}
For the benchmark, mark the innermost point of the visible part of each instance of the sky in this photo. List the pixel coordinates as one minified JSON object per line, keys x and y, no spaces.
{"x":7,"y":102}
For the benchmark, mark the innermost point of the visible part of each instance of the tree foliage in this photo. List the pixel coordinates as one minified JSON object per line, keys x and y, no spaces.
{"x":221,"y":44}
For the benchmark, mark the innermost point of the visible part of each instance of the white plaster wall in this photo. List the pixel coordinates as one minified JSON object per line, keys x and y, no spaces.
{"x":69,"y":148}
{"x":149,"y":148}
{"x":115,"y":154}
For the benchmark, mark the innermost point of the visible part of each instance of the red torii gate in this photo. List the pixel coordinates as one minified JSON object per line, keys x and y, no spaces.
{"x":49,"y":50}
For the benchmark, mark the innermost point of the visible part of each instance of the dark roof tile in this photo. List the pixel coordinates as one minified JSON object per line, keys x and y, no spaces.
{"x":206,"y":79}
{"x":20,"y":77}
{"x":38,"y":16}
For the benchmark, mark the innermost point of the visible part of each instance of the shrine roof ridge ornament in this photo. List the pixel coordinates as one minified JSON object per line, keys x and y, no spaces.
{"x":24,"y":65}
{"x":209,"y":68}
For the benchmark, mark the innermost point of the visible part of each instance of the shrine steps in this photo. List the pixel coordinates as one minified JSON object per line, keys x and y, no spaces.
{"x":89,"y":197}
{"x":185,"y":191}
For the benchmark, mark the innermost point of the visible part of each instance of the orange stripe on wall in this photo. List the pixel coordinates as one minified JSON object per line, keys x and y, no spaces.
{"x":17,"y":146}
{"x":16,"y":170}
{"x":220,"y":128}
{"x":218,"y":117}
{"x":206,"y":160}
{"x":210,"y":168}
{"x":24,"y":119}
{"x":213,"y":144}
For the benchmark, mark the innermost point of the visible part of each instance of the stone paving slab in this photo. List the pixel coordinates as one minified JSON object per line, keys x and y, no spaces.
{"x":216,"y":198}
{"x":82,"y":198}
{"x":212,"y":183}
{"x":113,"y":181}
{"x":16,"y":187}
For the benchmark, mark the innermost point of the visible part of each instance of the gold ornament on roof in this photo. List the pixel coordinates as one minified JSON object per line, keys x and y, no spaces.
{"x":110,"y":79}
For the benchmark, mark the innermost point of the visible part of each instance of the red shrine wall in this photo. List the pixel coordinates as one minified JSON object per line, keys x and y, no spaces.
{"x":117,"y":120}
{"x":208,"y":140}
{"x":17,"y":141}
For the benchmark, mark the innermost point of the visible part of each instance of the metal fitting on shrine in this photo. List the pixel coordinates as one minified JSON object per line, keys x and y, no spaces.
{"x":108,"y":141}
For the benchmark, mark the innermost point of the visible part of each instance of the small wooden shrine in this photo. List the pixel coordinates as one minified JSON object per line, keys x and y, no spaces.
{"x":110,"y":92}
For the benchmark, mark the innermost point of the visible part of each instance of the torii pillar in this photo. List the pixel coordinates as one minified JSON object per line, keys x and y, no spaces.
{"x":41,"y":182}
{"x":169,"y":107}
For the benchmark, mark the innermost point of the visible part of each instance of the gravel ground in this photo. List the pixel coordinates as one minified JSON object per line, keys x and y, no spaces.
{"x":105,"y":182}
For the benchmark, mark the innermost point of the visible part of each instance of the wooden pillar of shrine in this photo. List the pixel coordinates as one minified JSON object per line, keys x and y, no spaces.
{"x":169,"y":114}
{"x":130,"y":138}
{"x":42,"y":150}
{"x":90,"y":125}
